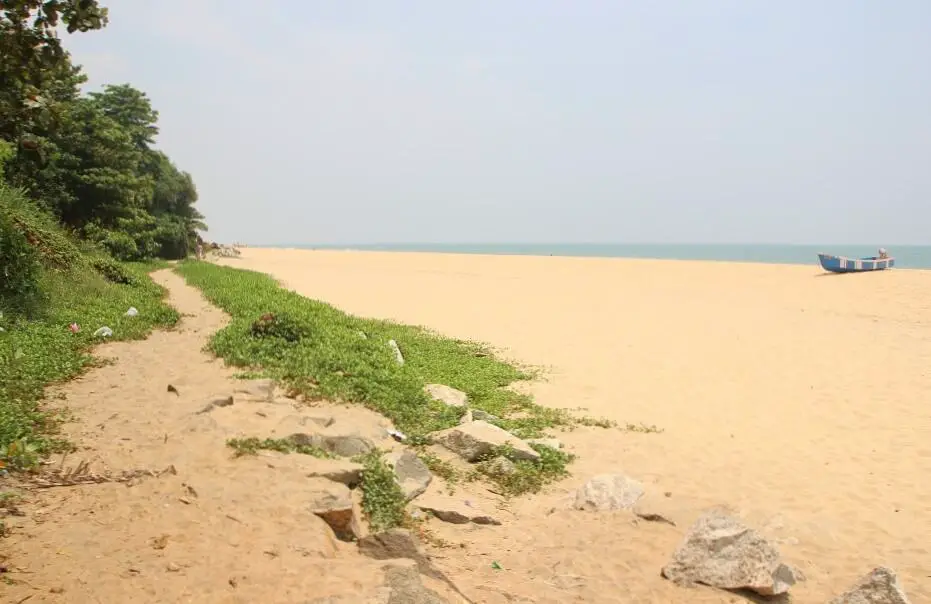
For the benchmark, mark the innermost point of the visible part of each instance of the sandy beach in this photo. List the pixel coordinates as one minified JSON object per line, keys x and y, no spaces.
{"x":794,"y":396}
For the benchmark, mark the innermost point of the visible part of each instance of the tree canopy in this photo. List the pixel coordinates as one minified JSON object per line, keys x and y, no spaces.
{"x":89,"y":159}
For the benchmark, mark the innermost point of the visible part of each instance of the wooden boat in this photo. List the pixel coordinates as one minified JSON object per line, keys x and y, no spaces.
{"x":842,"y":264}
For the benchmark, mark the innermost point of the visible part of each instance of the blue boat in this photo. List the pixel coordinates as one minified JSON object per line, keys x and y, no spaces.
{"x":842,"y":264}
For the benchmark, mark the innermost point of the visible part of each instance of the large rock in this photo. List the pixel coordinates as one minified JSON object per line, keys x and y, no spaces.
{"x":720,"y":551}
{"x":335,"y":506}
{"x":477,"y":439}
{"x":608,"y":492}
{"x":881,"y":586}
{"x":447,"y":395}
{"x":454,"y":510}
{"x":396,"y":544}
{"x":412,"y":474}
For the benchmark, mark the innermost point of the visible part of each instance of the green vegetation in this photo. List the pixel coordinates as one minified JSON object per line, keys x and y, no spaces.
{"x":37,"y":345}
{"x":382,"y":499}
{"x":322,"y":353}
{"x":88,"y":160}
{"x":81,"y":189}
{"x":252,"y":445}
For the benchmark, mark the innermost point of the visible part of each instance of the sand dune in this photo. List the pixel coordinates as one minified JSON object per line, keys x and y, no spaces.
{"x":797,"y":397}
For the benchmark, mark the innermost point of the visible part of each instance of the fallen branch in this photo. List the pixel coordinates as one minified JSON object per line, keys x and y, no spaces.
{"x":81,"y":475}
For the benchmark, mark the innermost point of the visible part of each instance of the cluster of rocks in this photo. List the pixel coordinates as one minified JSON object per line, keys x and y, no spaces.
{"x":225,"y":251}
{"x":720,"y":551}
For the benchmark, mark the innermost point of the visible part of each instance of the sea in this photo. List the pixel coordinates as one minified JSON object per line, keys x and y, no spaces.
{"x":906,"y":256}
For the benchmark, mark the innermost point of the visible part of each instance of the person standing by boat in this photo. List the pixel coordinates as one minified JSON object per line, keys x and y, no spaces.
{"x":883,"y":254}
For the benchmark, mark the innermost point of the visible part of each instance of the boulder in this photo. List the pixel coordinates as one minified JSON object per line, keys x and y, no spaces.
{"x":397,"y":351}
{"x":500,"y":466}
{"x":411,"y":473}
{"x":454,"y":510}
{"x":607,"y":492}
{"x":881,"y":586}
{"x":447,"y":395}
{"x":395,"y":544}
{"x":720,"y":551}
{"x":478,"y":439}
{"x":335,"y":506}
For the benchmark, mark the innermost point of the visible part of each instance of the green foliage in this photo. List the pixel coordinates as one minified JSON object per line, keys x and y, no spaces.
{"x":527,"y":477}
{"x":252,"y":445}
{"x":382,"y":499}
{"x":19,"y":266}
{"x":43,"y":350}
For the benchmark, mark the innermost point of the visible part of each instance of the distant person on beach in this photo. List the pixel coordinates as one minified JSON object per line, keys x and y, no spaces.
{"x":200,"y":251}
{"x":883,"y":253}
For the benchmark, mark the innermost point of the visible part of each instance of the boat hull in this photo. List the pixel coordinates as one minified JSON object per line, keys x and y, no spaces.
{"x":842,"y":264}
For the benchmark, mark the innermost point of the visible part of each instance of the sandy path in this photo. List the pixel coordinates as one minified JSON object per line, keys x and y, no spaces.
{"x":795,"y":397}
{"x":217,"y":530}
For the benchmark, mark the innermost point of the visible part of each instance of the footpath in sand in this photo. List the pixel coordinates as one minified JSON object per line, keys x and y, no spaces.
{"x":195,"y":524}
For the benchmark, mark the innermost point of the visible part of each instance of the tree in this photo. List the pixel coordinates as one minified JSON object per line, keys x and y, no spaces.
{"x":34,"y":61}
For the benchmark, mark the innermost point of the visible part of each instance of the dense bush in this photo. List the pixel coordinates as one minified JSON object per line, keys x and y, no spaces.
{"x":19,"y":270}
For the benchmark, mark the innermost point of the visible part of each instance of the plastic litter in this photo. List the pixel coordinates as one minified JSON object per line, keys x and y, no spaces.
{"x":103,"y":332}
{"x":132,"y":312}
{"x":398,"y":436}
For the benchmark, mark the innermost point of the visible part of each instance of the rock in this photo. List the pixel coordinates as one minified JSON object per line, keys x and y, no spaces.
{"x":217,"y":402}
{"x":344,"y":445}
{"x":261,"y":390}
{"x":720,"y":551}
{"x":454,"y":510}
{"x":397,"y":351}
{"x":447,"y":395}
{"x":394,"y":544}
{"x":467,"y":417}
{"x":500,"y":466}
{"x":334,"y":505}
{"x":477,"y":439}
{"x":411,"y":473}
{"x":338,"y":470}
{"x":552,"y":443}
{"x":406,"y":586}
{"x":608,"y":492}
{"x":478,"y":414}
{"x":881,"y":586}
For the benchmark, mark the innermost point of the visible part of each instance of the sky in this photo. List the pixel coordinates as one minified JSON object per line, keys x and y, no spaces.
{"x":532,"y":121}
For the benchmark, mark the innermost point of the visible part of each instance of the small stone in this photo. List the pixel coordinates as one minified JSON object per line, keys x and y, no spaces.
{"x":397,"y":352}
{"x":447,"y":395}
{"x":500,"y":466}
{"x":346,"y":445}
{"x":608,"y":492}
{"x":881,"y":586}
{"x":477,"y":439}
{"x":552,"y":443}
{"x":454,"y":510}
{"x":478,"y":414}
{"x":411,"y":473}
{"x":172,"y":567}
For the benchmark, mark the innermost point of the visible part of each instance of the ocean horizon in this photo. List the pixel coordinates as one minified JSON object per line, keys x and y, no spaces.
{"x":907,"y":256}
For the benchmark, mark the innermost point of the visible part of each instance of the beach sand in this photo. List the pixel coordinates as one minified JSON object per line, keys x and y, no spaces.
{"x":796,"y":397}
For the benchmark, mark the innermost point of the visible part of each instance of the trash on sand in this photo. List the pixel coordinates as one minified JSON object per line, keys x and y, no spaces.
{"x":398,"y":436}
{"x":103,"y":332}
{"x":132,"y":312}
{"x":495,"y":565}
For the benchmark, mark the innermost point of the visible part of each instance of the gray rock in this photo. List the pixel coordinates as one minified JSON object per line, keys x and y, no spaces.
{"x":447,"y":395}
{"x":478,"y":414}
{"x":552,"y":443}
{"x":720,"y":551}
{"x":466,"y":417}
{"x":334,"y":505}
{"x":344,"y":445}
{"x":477,"y":439}
{"x":411,"y":473}
{"x":607,"y":492}
{"x":881,"y":586}
{"x":406,"y":587}
{"x":338,"y":470}
{"x":455,"y":510}
{"x":394,"y":544}
{"x":397,"y":351}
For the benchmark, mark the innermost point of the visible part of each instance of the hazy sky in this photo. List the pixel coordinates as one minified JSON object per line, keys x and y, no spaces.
{"x":538,"y":120}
